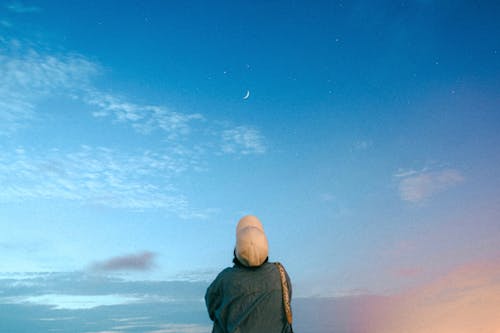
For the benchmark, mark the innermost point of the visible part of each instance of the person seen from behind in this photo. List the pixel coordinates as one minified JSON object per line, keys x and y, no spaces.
{"x":252,"y":296}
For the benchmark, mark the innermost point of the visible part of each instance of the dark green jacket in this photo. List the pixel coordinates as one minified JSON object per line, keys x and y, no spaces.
{"x":247,"y":300}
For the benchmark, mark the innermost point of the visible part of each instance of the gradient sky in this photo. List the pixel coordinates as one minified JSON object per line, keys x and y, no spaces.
{"x":368,"y":144}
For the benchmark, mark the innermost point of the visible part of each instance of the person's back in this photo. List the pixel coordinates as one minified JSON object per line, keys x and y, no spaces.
{"x":248,"y":297}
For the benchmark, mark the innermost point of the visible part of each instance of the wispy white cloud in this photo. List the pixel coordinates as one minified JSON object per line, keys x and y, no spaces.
{"x":242,"y":140}
{"x":161,"y":328}
{"x":197,"y":275}
{"x":327,"y":197}
{"x":57,"y":318}
{"x":28,"y":70}
{"x":98,"y":176}
{"x":363,"y":144}
{"x":147,"y":119}
{"x":28,"y":76}
{"x":182,"y":328}
{"x":5,"y":23}
{"x":416,"y":186}
{"x":138,"y":306}
{"x":131,"y":319}
{"x":20,"y":276}
{"x":86,"y":300}
{"x":19,"y":7}
{"x":72,"y":302}
{"x":143,"y":118}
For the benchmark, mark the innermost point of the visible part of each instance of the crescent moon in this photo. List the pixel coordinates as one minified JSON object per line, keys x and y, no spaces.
{"x":247,"y":95}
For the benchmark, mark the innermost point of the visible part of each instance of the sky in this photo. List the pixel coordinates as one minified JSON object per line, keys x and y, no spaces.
{"x":134,"y":135}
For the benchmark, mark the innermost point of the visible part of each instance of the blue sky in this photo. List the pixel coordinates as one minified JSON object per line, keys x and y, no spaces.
{"x":368,"y":144}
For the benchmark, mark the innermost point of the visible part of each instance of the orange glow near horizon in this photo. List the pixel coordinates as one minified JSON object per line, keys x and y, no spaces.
{"x":466,"y":300}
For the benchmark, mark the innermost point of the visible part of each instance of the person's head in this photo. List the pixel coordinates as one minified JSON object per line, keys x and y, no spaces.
{"x":251,"y":242}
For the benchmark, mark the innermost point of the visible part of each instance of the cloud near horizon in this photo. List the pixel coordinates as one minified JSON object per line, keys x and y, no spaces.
{"x":38,"y":302}
{"x":463,"y":300}
{"x":143,"y":261}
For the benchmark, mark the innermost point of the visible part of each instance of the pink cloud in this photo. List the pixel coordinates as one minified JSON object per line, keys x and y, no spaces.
{"x":466,"y":300}
{"x":138,"y":262}
{"x":408,"y":272}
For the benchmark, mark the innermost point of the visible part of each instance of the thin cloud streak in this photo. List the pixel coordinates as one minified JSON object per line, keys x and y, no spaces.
{"x":96,"y":176}
{"x":73,"y":302}
{"x":28,"y":76}
{"x":143,"y":261}
{"x":144,"y":118}
{"x":242,"y":140}
{"x":20,"y":8}
{"x":417,"y":186}
{"x":182,"y":328}
{"x":99,"y":175}
{"x":147,"y":119}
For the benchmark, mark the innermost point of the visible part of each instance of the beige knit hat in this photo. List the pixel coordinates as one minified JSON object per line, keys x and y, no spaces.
{"x":251,"y":242}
